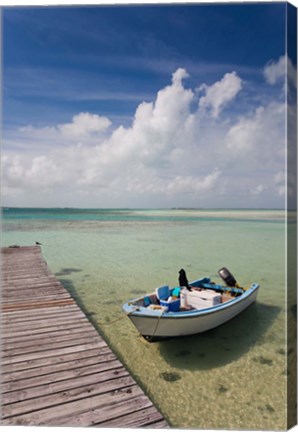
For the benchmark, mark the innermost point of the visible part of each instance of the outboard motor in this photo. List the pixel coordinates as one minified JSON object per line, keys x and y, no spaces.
{"x":227,"y":276}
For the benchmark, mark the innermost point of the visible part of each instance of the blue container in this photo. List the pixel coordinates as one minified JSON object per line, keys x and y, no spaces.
{"x":172,"y":306}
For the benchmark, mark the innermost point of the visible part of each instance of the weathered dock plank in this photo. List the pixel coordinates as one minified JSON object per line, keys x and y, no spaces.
{"x":56,"y":369}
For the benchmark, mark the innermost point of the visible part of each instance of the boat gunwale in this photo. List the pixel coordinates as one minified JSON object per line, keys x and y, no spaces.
{"x":145,"y":313}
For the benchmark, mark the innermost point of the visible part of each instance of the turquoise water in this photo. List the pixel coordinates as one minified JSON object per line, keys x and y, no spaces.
{"x":231,"y":377}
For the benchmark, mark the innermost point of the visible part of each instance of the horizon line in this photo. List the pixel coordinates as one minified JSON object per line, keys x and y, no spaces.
{"x":4,"y":207}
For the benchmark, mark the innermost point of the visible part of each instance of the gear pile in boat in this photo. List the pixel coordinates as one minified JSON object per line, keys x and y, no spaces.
{"x":186,"y":297}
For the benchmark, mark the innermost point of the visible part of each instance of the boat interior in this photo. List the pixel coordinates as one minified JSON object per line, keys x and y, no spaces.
{"x":181,"y":299}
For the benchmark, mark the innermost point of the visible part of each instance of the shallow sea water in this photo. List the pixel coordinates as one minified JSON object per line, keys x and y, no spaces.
{"x":232,"y":377}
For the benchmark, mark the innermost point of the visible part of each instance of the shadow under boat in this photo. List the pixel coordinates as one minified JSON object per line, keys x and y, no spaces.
{"x":221,"y":345}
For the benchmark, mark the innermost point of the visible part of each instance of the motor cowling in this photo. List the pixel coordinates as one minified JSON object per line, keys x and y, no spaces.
{"x":227,"y":277}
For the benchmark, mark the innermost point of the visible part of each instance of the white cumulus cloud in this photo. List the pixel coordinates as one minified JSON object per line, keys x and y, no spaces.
{"x":259,"y":137}
{"x":275,"y":70}
{"x":218,"y":95}
{"x":178,"y":150}
{"x":84,"y":124}
{"x":257,"y":190}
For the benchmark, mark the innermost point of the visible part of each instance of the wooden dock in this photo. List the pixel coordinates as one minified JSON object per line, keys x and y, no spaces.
{"x":56,"y":369}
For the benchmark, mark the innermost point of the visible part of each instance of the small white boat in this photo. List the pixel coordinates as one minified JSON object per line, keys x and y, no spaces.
{"x":171,"y":312}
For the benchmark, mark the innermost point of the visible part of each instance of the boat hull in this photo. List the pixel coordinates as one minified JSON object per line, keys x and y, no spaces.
{"x":166,"y":325}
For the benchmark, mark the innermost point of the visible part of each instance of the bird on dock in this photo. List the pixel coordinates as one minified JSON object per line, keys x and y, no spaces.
{"x":38,"y":244}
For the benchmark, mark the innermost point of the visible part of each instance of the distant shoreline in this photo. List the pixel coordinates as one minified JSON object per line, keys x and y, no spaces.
{"x":147,"y":208}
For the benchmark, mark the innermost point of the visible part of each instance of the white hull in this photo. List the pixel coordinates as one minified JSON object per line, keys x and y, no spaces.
{"x":163,"y":325}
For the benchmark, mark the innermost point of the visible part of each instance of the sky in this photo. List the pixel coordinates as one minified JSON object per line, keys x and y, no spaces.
{"x":144,"y":106}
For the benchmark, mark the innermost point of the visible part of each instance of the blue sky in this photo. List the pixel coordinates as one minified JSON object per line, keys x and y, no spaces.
{"x":103,"y":102}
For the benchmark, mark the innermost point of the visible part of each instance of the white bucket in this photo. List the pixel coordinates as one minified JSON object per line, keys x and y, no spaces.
{"x":183,"y":297}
